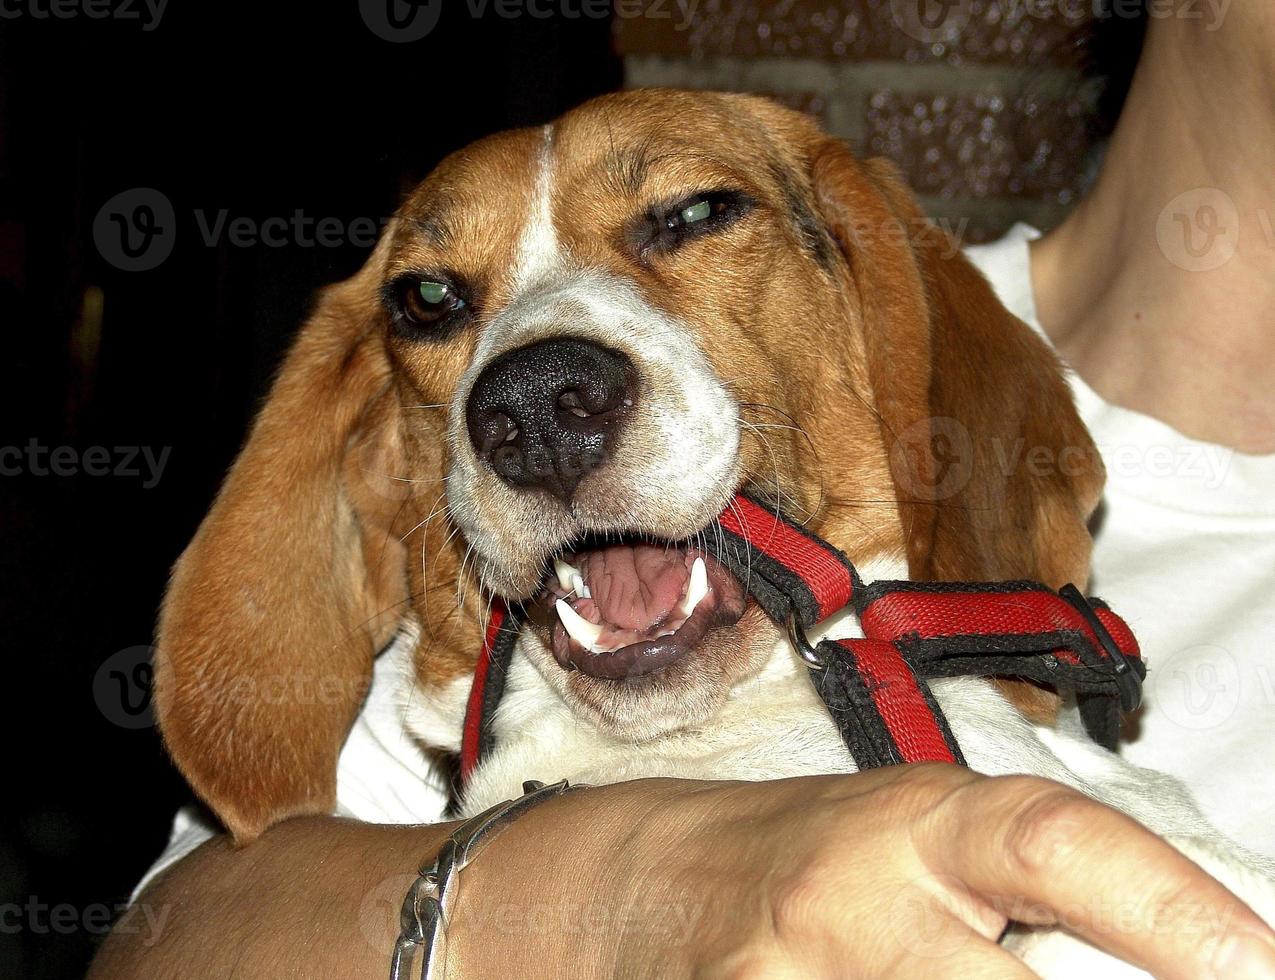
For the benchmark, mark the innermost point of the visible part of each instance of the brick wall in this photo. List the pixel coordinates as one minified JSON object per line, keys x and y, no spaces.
{"x":985,"y":109}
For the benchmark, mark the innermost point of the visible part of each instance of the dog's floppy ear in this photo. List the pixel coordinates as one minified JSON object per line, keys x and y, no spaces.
{"x":293,"y":581}
{"x":995,"y":473}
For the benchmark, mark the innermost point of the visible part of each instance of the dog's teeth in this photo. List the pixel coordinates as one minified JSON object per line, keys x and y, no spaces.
{"x":567,"y":574}
{"x":579,"y":628}
{"x":577,"y":583}
{"x":698,"y":587}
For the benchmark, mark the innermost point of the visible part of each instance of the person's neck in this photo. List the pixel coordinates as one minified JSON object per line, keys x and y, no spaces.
{"x":1150,"y":321}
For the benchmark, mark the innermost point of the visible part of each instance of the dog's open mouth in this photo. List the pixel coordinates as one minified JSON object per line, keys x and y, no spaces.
{"x":620,"y":611}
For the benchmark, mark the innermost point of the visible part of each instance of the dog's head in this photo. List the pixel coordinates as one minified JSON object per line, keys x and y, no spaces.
{"x":572,"y":346}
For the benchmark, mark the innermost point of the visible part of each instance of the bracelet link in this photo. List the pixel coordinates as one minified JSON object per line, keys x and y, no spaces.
{"x":427,"y":906}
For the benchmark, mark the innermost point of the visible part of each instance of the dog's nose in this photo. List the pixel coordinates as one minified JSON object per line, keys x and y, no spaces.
{"x":546,"y":414}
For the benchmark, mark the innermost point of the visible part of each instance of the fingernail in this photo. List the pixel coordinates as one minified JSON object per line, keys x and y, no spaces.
{"x":1245,"y":958}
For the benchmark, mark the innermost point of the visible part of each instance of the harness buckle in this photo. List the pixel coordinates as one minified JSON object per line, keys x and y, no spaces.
{"x":1127,"y":681}
{"x":801,"y":643}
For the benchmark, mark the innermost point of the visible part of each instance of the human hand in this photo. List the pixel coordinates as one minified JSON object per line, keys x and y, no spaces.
{"x":899,"y":872}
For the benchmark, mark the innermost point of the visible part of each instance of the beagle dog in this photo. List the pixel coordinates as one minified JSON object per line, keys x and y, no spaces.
{"x":570,"y":349}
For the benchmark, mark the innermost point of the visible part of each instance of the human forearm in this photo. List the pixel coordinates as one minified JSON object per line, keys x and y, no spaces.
{"x":813,"y":877}
{"x":305,"y":899}
{"x":321,"y":896}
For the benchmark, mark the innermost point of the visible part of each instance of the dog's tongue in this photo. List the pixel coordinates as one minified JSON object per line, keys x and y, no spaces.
{"x":634,"y":587}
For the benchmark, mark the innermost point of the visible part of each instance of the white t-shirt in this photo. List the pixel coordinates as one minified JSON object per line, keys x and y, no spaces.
{"x":1185,"y":553}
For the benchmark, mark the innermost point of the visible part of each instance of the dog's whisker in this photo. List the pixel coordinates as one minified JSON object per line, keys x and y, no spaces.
{"x":773,"y":425}
{"x":491,"y":601}
{"x":762,"y":406}
{"x":456,"y":530}
{"x":748,"y":555}
{"x":425,"y":576}
{"x":774,"y":459}
{"x":448,"y":540}
{"x":365,"y":624}
{"x":460,"y":577}
{"x":793,"y":424}
{"x":435,"y":511}
{"x":385,"y":543}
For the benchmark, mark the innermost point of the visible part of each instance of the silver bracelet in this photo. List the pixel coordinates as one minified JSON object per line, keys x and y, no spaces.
{"x":429,"y":902}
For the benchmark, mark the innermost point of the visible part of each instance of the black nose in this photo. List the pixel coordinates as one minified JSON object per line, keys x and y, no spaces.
{"x":546,"y":414}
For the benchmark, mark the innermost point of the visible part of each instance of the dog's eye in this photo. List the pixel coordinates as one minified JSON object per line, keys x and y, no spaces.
{"x":703,"y":210}
{"x":667,"y":226}
{"x":698,"y":211}
{"x":427,"y":302}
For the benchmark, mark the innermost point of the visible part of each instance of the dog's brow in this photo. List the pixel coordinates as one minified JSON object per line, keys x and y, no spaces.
{"x":627,"y":169}
{"x":434,"y":225}
{"x":812,"y":231}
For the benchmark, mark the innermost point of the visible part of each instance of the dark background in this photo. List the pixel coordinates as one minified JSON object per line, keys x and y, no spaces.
{"x":260,"y":109}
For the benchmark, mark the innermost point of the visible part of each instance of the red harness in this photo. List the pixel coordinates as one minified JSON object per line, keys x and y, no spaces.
{"x":876,"y":689}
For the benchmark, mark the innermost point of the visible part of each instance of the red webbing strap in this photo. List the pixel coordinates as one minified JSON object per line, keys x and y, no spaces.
{"x":1012,"y":610}
{"x":488,"y":685}
{"x":796,"y":568}
{"x":915,"y":725}
{"x":936,"y":629}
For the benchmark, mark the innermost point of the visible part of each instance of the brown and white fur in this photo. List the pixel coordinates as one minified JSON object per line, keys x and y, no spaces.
{"x":815,"y":346}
